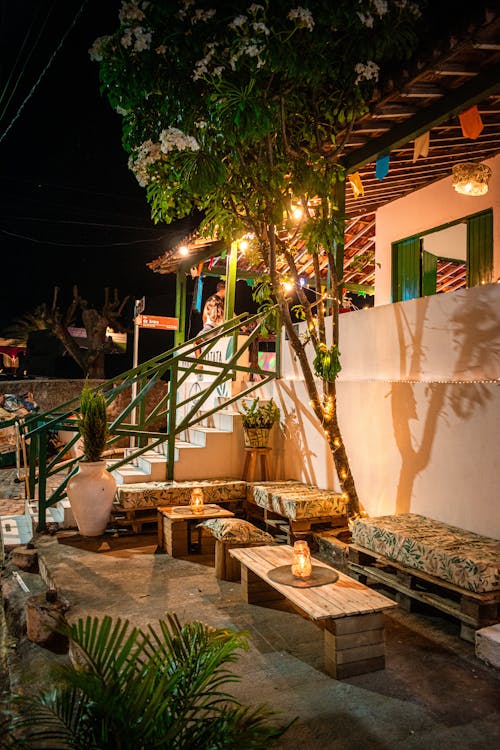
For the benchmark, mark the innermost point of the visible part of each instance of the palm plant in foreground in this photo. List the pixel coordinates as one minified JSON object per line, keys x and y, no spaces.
{"x":142,"y":689}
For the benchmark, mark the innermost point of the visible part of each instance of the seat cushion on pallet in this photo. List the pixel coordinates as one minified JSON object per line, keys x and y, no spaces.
{"x":296,"y":500}
{"x":461,"y":557}
{"x":236,"y":530}
{"x":154,"y":494}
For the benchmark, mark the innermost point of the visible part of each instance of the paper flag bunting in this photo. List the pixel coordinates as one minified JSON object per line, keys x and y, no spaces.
{"x":382,"y":167}
{"x":421,"y":146}
{"x":471,"y":122}
{"x":356,"y":184}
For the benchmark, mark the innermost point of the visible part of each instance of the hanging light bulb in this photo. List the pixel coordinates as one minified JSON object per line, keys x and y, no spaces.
{"x":183,"y":250}
{"x":471,"y":178}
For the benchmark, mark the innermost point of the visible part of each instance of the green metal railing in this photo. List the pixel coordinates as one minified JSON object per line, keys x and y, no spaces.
{"x":179,"y":411}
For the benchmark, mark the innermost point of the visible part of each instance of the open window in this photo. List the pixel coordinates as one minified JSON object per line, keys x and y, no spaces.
{"x":444,"y":259}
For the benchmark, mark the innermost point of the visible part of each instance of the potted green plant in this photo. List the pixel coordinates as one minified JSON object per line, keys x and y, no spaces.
{"x":257,"y":420}
{"x":92,"y":489}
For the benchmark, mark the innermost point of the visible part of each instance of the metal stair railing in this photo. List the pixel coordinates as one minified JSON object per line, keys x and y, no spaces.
{"x":180,"y":414}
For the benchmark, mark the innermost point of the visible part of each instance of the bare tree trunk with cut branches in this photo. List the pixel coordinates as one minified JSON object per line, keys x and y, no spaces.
{"x":95,"y":322}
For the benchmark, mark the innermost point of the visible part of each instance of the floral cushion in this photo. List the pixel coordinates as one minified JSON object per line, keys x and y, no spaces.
{"x":236,"y":530}
{"x":153,"y":494}
{"x":296,"y":500}
{"x":461,"y":557}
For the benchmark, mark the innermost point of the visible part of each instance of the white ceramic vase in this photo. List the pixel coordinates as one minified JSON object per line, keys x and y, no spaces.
{"x":91,"y":493}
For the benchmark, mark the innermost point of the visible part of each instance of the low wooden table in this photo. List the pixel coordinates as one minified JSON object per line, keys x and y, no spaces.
{"x":350,"y":613}
{"x":175,"y":527}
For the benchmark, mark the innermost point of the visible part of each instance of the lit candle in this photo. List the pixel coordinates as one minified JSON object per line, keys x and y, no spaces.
{"x":301,"y":564}
{"x":196,"y":503}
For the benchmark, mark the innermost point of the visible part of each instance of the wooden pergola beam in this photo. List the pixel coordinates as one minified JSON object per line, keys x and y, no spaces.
{"x":481,"y":86}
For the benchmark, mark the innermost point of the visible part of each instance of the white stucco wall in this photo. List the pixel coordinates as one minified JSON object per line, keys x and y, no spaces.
{"x":425,"y":209}
{"x":418,"y":406}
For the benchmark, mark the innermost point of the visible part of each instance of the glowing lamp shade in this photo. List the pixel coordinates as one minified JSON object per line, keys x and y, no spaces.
{"x":301,"y":563}
{"x":196,"y":504}
{"x":471,"y":178}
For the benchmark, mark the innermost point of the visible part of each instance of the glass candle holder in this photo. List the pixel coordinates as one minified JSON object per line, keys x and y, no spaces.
{"x":301,"y":563}
{"x":196,"y":504}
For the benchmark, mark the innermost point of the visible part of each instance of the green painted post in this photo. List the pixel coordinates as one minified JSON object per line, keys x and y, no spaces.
{"x":231,"y":268}
{"x":339,"y":243}
{"x":231,"y":271}
{"x":42,"y":481}
{"x":171,"y":420}
{"x":180,"y":307}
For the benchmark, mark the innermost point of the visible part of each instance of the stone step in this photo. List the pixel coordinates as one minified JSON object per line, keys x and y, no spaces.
{"x":15,"y":530}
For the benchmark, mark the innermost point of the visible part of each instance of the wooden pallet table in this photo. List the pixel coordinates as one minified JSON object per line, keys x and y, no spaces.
{"x":350,"y":614}
{"x":473,"y":610}
{"x":176,"y":535}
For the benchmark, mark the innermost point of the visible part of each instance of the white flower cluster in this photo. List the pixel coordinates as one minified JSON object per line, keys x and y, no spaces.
{"x":366,"y":72}
{"x":130,"y":12}
{"x":173,"y":139}
{"x":137,"y":38}
{"x":381,"y":7}
{"x":142,"y":157}
{"x":413,"y":8}
{"x":201,"y":66}
{"x":203,"y":15}
{"x":185,"y":7}
{"x":238,"y":22}
{"x":303,"y":17}
{"x":96,"y":52}
{"x":255,"y":8}
{"x":251,"y":49}
{"x":366,"y":19}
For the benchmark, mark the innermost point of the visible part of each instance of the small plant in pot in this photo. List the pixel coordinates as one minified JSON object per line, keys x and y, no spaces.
{"x":258,"y":420}
{"x":92,"y":489}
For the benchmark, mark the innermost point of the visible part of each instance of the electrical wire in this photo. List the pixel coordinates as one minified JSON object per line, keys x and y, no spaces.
{"x":44,"y":71}
{"x":28,"y":58}
{"x":72,"y":244}
{"x":84,"y":223}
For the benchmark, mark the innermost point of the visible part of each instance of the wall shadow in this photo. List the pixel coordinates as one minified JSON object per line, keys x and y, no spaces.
{"x":475,"y":336}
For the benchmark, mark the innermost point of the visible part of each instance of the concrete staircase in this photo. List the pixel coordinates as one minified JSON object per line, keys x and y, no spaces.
{"x":210,"y":449}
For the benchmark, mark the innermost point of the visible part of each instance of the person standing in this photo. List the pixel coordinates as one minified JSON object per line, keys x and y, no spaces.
{"x":214,"y":305}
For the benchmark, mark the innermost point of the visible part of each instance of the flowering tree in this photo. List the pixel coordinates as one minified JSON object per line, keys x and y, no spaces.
{"x":242,"y":110}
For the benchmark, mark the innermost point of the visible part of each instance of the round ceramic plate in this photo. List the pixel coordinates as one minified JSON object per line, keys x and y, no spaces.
{"x":319,"y":576}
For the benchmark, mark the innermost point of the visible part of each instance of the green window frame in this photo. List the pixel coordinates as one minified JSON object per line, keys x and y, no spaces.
{"x":413,"y":272}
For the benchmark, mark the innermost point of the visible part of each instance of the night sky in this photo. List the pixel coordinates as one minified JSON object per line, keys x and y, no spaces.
{"x":71,"y":212}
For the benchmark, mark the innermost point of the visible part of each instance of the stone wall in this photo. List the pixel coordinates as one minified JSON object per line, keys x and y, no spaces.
{"x":51,"y":393}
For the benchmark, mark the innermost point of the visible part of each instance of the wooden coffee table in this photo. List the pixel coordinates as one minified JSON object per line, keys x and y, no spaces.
{"x":350,"y":614}
{"x":176,"y":527}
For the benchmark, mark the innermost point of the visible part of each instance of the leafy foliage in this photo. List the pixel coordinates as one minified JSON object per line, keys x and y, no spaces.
{"x":260,"y":415}
{"x":241,"y":110}
{"x":140,"y":689}
{"x":92,"y":421}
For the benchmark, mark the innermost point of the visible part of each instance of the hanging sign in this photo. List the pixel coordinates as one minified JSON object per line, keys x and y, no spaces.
{"x":159,"y":322}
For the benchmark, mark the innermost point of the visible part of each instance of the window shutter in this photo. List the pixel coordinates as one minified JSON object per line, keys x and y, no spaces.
{"x":429,"y":273}
{"x":480,"y":248}
{"x":406,"y":269}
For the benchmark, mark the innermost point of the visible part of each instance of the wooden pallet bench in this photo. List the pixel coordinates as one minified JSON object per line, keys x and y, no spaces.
{"x":293,"y":510}
{"x":473,"y":610}
{"x":349,"y":613}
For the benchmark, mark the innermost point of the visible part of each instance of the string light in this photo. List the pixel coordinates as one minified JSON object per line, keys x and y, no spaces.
{"x":184,"y":250}
{"x":337,"y":442}
{"x":244,"y":243}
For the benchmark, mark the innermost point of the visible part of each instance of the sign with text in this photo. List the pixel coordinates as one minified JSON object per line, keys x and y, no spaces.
{"x":159,"y":322}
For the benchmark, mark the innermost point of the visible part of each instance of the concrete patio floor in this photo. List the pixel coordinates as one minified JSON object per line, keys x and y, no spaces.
{"x":434,"y":693}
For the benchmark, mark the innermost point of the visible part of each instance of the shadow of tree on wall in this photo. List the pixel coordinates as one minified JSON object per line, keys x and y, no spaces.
{"x":475,"y":337}
{"x":296,"y":421}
